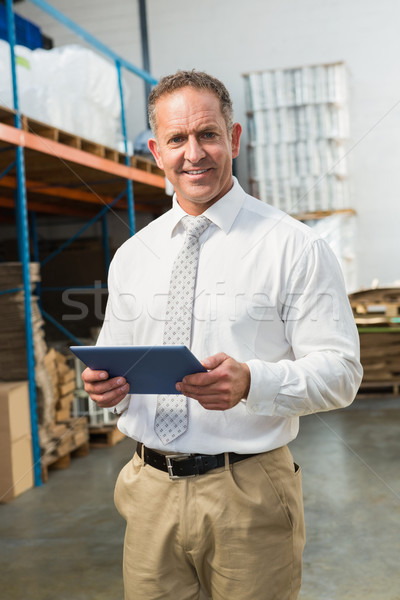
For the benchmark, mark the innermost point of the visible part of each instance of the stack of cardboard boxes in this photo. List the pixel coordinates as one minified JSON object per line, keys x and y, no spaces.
{"x":16,"y":461}
{"x":55,"y":384}
{"x":377,"y":315}
{"x":13,"y":365}
{"x":59,"y":433}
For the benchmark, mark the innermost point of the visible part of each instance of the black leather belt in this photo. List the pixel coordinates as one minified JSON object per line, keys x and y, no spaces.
{"x":187,"y":465}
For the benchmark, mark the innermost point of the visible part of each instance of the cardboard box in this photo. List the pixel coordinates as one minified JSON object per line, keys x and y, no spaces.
{"x":80,"y":437}
{"x":65,"y":401}
{"x":64,"y":444}
{"x":67,"y":388}
{"x":15,"y":417}
{"x":63,"y":414}
{"x":16,"y":468}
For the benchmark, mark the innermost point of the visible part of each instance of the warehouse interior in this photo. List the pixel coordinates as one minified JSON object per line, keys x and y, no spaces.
{"x":314,"y":86}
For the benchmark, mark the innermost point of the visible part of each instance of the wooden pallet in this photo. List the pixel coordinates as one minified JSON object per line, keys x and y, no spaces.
{"x":376,"y":307}
{"x":64,"y":461}
{"x":145,"y":164}
{"x":105,"y":436}
{"x":75,"y":141}
{"x":380,"y":354}
{"x":317,"y":215}
{"x":389,"y":388}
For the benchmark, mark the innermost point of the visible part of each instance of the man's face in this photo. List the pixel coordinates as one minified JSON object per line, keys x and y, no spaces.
{"x":194,"y":147}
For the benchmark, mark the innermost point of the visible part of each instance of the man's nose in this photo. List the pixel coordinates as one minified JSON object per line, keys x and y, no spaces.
{"x":194,"y":151}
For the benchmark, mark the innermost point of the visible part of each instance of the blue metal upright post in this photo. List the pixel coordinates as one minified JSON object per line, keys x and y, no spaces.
{"x":24,"y":254}
{"x":129,"y":184}
{"x":145,"y":50}
{"x":106,"y":242}
{"x":35,"y":251}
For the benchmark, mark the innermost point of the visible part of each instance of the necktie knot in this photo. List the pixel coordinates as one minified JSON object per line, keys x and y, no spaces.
{"x":195,"y":225}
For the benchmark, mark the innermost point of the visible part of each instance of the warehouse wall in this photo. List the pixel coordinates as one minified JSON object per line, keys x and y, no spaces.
{"x":231,"y":37}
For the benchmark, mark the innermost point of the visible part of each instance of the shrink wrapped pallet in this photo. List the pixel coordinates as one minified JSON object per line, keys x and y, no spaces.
{"x":71,"y":88}
{"x":297,"y":130}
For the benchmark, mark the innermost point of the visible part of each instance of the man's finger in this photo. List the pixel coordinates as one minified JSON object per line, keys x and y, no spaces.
{"x":216,"y":389}
{"x":90,"y":375}
{"x":201,"y":379}
{"x":100,"y":387}
{"x":211,"y":403}
{"x":110,"y":398}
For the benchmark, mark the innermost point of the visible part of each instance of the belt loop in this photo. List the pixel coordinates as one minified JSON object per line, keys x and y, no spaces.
{"x":142,"y":455}
{"x":227,"y":466}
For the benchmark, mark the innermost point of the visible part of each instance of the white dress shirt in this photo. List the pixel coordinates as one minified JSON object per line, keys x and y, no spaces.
{"x":270,"y":293}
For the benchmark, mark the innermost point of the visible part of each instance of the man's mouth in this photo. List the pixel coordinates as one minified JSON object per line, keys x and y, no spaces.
{"x":194,"y":172}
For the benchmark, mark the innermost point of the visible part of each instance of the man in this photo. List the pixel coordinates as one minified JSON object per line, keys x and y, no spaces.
{"x":270,"y":321}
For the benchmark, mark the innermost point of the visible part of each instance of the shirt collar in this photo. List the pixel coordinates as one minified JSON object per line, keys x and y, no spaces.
{"x":223,"y":213}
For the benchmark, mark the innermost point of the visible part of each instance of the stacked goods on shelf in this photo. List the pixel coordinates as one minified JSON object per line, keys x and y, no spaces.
{"x":103,"y":430}
{"x":376,"y":306}
{"x":16,"y":460}
{"x":55,"y":381}
{"x":13,"y":361}
{"x":13,"y":365}
{"x":64,"y":380}
{"x":297,"y":126}
{"x":62,"y":434}
{"x":102,"y":422}
{"x":377,"y":315}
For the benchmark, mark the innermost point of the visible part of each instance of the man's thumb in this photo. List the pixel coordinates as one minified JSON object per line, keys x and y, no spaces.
{"x":212,"y":362}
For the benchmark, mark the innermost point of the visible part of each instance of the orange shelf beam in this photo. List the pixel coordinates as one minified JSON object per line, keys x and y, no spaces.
{"x":54,"y":209}
{"x":38,"y":187}
{"x":18,"y":137}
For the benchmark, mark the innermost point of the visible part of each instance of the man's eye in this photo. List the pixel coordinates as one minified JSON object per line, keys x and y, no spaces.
{"x":176,"y":140}
{"x":209,"y":135}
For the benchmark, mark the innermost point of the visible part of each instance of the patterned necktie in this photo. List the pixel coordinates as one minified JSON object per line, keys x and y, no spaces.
{"x":171,"y":419}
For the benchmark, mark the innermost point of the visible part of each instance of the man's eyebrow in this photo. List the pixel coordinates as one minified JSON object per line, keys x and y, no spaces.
{"x":177,"y":133}
{"x":174,"y":134}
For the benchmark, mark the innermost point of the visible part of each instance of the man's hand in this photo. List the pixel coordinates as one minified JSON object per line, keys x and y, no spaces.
{"x":105,"y":392}
{"x":223,"y":386}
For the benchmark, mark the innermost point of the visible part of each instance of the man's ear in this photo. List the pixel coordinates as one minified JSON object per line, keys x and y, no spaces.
{"x":153,"y":147}
{"x":236,"y":133}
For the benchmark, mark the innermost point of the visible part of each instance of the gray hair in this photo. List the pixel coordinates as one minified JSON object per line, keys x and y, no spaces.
{"x":195,"y":79}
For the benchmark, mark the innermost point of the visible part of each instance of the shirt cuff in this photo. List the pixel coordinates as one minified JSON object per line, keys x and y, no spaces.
{"x":265,"y":385}
{"x":121,"y":407}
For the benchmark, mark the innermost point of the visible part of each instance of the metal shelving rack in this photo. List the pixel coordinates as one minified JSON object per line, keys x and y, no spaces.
{"x":74,"y":202}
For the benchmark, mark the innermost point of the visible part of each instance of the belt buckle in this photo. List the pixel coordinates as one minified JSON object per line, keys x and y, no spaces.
{"x":170,"y":467}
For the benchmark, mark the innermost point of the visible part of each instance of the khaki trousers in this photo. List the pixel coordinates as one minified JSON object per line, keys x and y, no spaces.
{"x":236,"y":532}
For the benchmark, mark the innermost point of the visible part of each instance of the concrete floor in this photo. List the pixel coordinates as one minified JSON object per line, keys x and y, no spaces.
{"x":63,"y":541}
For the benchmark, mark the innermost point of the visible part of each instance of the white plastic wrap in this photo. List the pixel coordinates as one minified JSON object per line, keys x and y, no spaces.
{"x":71,"y":88}
{"x":339,"y":230}
{"x":24,"y":72}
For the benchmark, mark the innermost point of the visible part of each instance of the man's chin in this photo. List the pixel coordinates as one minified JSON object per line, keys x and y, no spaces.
{"x":197,"y":192}
{"x":198,"y":202}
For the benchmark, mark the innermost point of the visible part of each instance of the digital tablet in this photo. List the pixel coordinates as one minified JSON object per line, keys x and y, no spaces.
{"x":147,"y":369}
